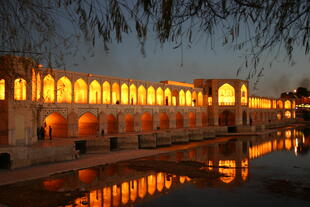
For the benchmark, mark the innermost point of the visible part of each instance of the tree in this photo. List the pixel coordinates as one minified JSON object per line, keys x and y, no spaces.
{"x":260,"y":29}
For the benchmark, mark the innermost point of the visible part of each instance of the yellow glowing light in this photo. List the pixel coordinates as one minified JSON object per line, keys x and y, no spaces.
{"x":209,"y":101}
{"x":167,"y":97}
{"x":245,"y":169}
{"x":279,"y":116}
{"x":115,"y":93}
{"x":133,"y":94}
{"x":33,"y":86}
{"x":80,"y":91}
{"x":141,"y":95}
{"x":116,"y":194}
{"x":38,"y":86}
{"x":182,"y":179}
{"x":124,"y":93}
{"x":160,"y":181}
{"x":188,"y":98}
{"x":64,"y":90}
{"x":107,"y":196}
{"x":181,"y":98}
{"x":142,"y":187}
{"x":244,"y":95}
{"x":288,"y":144}
{"x":174,"y":101}
{"x":151,"y":184}
{"x":229,"y":171}
{"x":226,"y":95}
{"x":159,"y":96}
{"x":2,"y":89}
{"x":194,"y":99}
{"x":260,"y":150}
{"x":95,"y":198}
{"x":151,"y":96}
{"x":94,"y":92}
{"x":106,"y":96}
{"x":133,"y":190}
{"x":279,"y":104}
{"x":200,"y":99}
{"x":287,"y":114}
{"x":287,"y":104}
{"x":20,"y":89}
{"x":168,"y":181}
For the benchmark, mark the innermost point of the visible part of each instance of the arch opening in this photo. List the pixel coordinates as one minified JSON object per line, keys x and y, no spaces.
{"x":151,"y":96}
{"x":58,"y":124}
{"x":244,"y":118}
{"x":112,"y":124}
{"x":115,"y":94}
{"x":141,"y":95}
{"x":287,"y":104}
{"x":80,"y":91}
{"x":288,"y":114}
{"x":163,"y":121}
{"x":175,"y":98}
{"x":88,"y":125}
{"x":64,"y":90}
{"x":192,"y":119}
{"x":20,"y":89}
{"x":5,"y":161}
{"x":167,"y":97}
{"x":38,"y":87}
{"x":159,"y":96}
{"x":204,"y":120}
{"x":133,"y":94}
{"x":124,"y":93}
{"x":244,"y":95}
{"x":106,"y":97}
{"x":146,"y":122}
{"x":129,"y":123}
{"x":48,"y":89}
{"x":181,"y":98}
{"x":200,"y":99}
{"x":2,"y":89}
{"x":94,"y":92}
{"x":194,"y":98}
{"x":188,"y":98}
{"x":179,"y":120}
{"x":227,"y":118}
{"x":226,"y":95}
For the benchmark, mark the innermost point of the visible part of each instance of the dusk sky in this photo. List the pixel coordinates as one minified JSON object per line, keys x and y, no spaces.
{"x":125,"y":60}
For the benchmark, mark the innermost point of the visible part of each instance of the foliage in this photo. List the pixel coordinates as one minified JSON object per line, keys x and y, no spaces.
{"x":257,"y":28}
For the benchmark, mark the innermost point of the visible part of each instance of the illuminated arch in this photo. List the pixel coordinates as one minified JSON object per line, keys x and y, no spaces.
{"x":64,"y":90}
{"x":279,"y":104}
{"x":106,"y":93}
{"x":175,"y":98}
{"x":112,"y":124}
{"x":58,"y":124}
{"x":88,"y":125}
{"x":141,"y":95}
{"x":194,"y":99}
{"x":146,"y":122}
{"x":287,"y":104}
{"x":115,"y":93}
{"x":188,"y":98}
{"x":48,"y":89}
{"x":181,"y":98}
{"x":33,"y":86}
{"x":244,"y":95}
{"x":167,"y":97}
{"x":159,"y":96}
{"x":226,"y":95}
{"x":287,"y":114}
{"x":20,"y":89}
{"x":80,"y":91}
{"x":179,"y":122}
{"x":124,"y":93}
{"x":163,"y":121}
{"x":129,"y":123}
{"x":94,"y":92}
{"x":151,"y":96}
{"x":192,"y":119}
{"x":2,"y":89}
{"x":38,"y":86}
{"x":133,"y":94}
{"x":200,"y":99}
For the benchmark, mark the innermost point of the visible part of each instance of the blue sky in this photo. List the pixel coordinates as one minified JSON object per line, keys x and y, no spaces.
{"x":200,"y":61}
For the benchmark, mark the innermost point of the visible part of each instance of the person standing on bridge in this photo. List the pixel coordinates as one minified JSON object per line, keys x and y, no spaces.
{"x":50,"y":132}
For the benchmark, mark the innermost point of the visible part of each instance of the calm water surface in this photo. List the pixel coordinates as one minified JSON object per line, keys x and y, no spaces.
{"x":272,"y":170}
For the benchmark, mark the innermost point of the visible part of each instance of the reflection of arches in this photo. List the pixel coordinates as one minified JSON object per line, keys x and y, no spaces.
{"x":175,"y":98}
{"x":227,"y":118}
{"x":244,"y":118}
{"x":48,"y":89}
{"x":133,"y":94}
{"x":192,"y":119}
{"x":181,"y":98}
{"x":129,"y":123}
{"x":141,"y":95}
{"x":164,"y":121}
{"x":94,"y":92}
{"x":88,"y":125}
{"x":124,"y":93}
{"x":146,"y":122}
{"x":179,"y":120}
{"x":112,"y":124}
{"x":229,"y":171}
{"x":64,"y":90}
{"x":20,"y":89}
{"x":151,"y":96}
{"x":204,"y":119}
{"x":58,"y":123}
{"x":159,"y":96}
{"x":106,"y":97}
{"x":167,"y":97}
{"x":244,"y":95}
{"x":115,"y":93}
{"x":80,"y":91}
{"x":188,"y":98}
{"x":226,"y":95}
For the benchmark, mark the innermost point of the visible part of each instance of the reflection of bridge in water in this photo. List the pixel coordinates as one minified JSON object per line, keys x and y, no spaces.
{"x":118,"y":185}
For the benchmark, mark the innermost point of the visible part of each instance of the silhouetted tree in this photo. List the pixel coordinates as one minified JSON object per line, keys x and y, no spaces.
{"x":50,"y":29}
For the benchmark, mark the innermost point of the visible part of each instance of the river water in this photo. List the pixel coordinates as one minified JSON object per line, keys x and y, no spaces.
{"x":269,"y":170}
